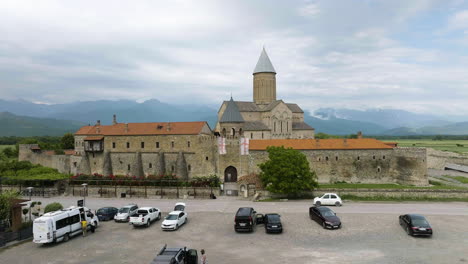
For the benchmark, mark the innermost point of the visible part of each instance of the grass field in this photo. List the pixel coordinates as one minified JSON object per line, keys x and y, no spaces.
{"x":384,"y":186}
{"x":458,"y":146}
{"x":458,"y":178}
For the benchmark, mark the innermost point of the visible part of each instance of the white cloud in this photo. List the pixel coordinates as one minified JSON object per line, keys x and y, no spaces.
{"x":309,"y":10}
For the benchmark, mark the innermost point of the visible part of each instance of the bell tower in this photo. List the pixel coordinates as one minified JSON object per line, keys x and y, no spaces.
{"x":264,"y":81}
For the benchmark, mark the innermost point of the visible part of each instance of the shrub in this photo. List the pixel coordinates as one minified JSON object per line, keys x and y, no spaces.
{"x":53,"y":207}
{"x":25,"y":211}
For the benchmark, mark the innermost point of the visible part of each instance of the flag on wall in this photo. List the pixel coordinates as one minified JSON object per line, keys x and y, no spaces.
{"x":221,"y":145}
{"x":244,"y":146}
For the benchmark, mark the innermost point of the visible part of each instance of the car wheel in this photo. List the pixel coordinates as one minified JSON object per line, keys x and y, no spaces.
{"x":408,"y":231}
{"x":318,"y":203}
{"x":148,"y":223}
{"x":159,"y":216}
{"x":185,"y":221}
{"x":177,"y":226}
{"x":337,"y":204}
{"x":66,"y":237}
{"x":324,"y":226}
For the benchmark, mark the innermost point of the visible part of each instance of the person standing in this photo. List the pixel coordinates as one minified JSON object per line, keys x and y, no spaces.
{"x":84,"y":226}
{"x":203,"y":257}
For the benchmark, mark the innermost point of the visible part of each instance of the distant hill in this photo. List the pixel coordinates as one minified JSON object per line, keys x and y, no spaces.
{"x":338,"y":126}
{"x":23,"y":126}
{"x":451,"y":129}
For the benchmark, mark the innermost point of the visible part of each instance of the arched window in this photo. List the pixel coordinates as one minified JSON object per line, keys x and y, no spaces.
{"x":373,"y":157}
{"x":336,"y":158}
{"x":326,"y":158}
{"x":251,"y":135}
{"x":189,"y":168}
{"x":287,"y":126}
{"x":150,"y":165}
{"x":128,"y":167}
{"x":274,"y":126}
{"x":233,"y":131}
{"x":281,"y":126}
{"x":378,"y":169}
{"x":262,"y":135}
{"x":240,"y":132}
{"x":358,"y":158}
{"x":383,"y":157}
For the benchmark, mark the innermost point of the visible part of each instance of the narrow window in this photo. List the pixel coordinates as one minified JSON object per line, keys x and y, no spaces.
{"x":274,"y":126}
{"x":287,"y":126}
{"x":157,"y":144}
{"x":188,"y":144}
{"x":142,"y":145}
{"x":326,"y":158}
{"x":128,"y":167}
{"x":113,"y":144}
{"x":373,"y":157}
{"x":262,"y":135}
{"x":358,"y":158}
{"x":189,"y":168}
{"x":172,"y":144}
{"x":336,"y":158}
{"x":233,"y":131}
{"x":93,"y":154}
{"x":319,"y":159}
{"x":251,"y":135}
{"x":128,"y":144}
{"x":150,"y":165}
{"x":172,"y":168}
{"x":206,"y":158}
{"x":378,"y":169}
{"x":383,"y":157}
{"x":281,"y":126}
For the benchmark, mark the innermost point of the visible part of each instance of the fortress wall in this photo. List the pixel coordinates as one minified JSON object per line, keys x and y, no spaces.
{"x":437,"y":159}
{"x":59,"y":162}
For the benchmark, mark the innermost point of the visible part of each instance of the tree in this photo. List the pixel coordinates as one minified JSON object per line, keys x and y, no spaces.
{"x":287,"y":172}
{"x":9,"y":152}
{"x":67,"y":141}
{"x":6,"y":199}
{"x":53,"y":207}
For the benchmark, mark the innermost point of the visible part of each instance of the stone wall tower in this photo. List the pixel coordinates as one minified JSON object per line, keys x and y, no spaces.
{"x":264,"y":81}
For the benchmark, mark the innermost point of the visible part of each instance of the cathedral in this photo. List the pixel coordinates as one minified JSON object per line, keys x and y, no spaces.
{"x":235,"y":147}
{"x":265,"y":117}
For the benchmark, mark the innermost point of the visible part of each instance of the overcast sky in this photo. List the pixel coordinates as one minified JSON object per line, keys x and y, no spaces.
{"x":410,"y":55}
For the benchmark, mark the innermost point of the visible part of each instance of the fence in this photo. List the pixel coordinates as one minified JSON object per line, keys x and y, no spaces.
{"x":7,"y":237}
{"x":140,"y":189}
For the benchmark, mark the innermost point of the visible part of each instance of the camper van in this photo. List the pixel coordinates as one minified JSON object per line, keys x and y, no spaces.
{"x":61,"y":225}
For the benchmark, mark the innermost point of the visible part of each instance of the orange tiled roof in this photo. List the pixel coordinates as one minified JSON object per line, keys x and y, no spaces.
{"x":364,"y":143}
{"x":176,"y":128}
{"x":91,"y":138}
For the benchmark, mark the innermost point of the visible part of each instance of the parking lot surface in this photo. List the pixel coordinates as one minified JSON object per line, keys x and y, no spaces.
{"x":370,"y":234}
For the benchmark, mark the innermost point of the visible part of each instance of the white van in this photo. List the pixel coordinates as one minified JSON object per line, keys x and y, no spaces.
{"x":61,"y":225}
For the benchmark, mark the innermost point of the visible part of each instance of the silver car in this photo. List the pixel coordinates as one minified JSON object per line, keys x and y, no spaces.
{"x":123,"y":214}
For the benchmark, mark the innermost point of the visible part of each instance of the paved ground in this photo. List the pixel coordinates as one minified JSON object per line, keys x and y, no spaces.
{"x":370,"y":234}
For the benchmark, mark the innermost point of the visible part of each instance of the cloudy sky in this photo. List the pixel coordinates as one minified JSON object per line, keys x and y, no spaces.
{"x":410,"y":55}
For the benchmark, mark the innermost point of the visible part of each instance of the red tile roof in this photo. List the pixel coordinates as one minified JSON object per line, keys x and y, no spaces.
{"x":312,"y":144}
{"x":175,"y":128}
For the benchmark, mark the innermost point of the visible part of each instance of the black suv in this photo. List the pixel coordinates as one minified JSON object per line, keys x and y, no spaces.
{"x":176,"y":256}
{"x":246,"y":219}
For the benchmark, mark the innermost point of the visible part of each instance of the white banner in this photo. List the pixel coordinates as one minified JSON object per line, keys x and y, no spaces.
{"x":244,"y":146}
{"x":222,"y":145}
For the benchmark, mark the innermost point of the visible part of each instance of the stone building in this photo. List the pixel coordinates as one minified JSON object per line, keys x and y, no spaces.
{"x":190,"y":149}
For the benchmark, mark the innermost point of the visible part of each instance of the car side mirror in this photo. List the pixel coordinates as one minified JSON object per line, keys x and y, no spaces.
{"x":254,"y":212}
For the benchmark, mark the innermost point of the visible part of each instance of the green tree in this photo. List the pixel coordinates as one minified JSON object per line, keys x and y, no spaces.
{"x":6,"y":199}
{"x":9,"y":152}
{"x":287,"y":172}
{"x":53,"y":207}
{"x":67,"y":141}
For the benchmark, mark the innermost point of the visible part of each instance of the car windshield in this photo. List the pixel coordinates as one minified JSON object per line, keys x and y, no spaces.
{"x":101,"y":211}
{"x":273,"y":219}
{"x":328,"y":213}
{"x":179,"y":207}
{"x":124,"y":210}
{"x":171,"y":217}
{"x":420,"y":222}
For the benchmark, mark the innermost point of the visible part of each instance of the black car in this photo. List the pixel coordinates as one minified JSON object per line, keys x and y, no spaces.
{"x":106,"y":213}
{"x":176,"y":255}
{"x":415,"y":225}
{"x":325,"y":216}
{"x":246,"y":219}
{"x":272,"y":223}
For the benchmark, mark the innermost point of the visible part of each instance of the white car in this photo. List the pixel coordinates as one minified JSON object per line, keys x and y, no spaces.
{"x":123,"y":215}
{"x":179,"y":207}
{"x":174,"y":220}
{"x":328,"y":199}
{"x":144,"y":216}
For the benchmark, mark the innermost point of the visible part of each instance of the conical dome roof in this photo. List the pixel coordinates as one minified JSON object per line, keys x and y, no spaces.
{"x":264,"y":64}
{"x":231,"y":114}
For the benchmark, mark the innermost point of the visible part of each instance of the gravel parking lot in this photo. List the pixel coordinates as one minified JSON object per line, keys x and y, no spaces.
{"x":366,"y":236}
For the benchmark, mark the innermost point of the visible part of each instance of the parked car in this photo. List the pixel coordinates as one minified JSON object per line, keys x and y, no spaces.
{"x":123,"y":215}
{"x":174,"y":220}
{"x":246,"y":219}
{"x":325,"y":216}
{"x":415,"y":224}
{"x":179,"y":207}
{"x":328,"y":199}
{"x":176,"y":255}
{"x":145,"y":216}
{"x":272,"y":223}
{"x":106,"y":213}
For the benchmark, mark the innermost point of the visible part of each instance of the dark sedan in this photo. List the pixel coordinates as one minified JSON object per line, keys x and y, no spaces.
{"x":106,"y":213}
{"x":415,"y":225}
{"x":325,"y":216}
{"x":272,"y":223}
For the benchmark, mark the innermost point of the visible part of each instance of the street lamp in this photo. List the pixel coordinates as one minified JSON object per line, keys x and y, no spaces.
{"x":30,"y":193}
{"x":84,"y":193}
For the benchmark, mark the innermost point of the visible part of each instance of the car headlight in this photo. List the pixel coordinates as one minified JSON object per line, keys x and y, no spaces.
{"x":328,"y":223}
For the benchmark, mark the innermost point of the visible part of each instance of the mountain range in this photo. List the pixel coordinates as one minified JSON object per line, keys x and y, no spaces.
{"x":23,"y":118}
